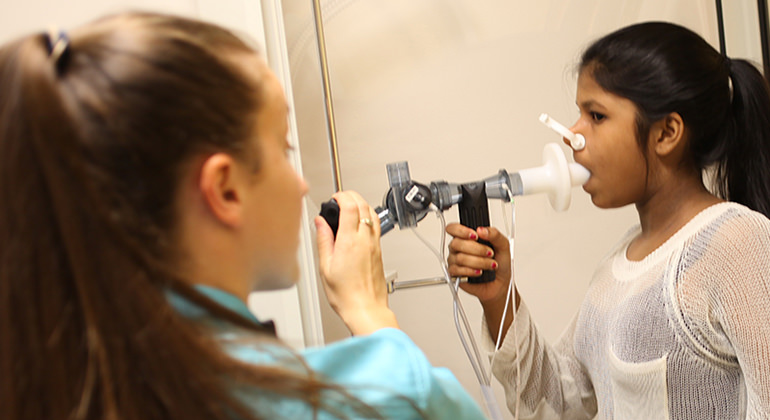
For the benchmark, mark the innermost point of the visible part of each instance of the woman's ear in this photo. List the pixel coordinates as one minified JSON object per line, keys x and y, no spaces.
{"x":669,"y":135}
{"x":220,"y":189}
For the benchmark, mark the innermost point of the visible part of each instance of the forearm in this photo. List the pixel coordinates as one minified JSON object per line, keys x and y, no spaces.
{"x":545,"y":381}
{"x":365,"y":321}
{"x":493,"y":314}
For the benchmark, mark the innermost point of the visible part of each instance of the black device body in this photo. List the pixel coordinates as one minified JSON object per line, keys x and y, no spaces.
{"x":473,"y":208}
{"x":474,"y":212}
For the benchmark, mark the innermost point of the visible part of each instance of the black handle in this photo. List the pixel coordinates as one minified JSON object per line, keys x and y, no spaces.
{"x":474,"y":212}
{"x":330,"y":211}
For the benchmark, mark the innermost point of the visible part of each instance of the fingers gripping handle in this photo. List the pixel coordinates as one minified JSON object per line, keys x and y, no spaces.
{"x":330,"y":211}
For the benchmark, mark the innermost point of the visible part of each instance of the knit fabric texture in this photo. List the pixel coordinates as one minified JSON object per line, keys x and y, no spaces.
{"x":682,"y":334}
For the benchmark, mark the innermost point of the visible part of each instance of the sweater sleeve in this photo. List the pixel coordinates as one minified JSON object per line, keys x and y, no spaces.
{"x":740,"y":307}
{"x":384,"y":370}
{"x":388,"y":371}
{"x":553,"y":384}
{"x":723,"y":293}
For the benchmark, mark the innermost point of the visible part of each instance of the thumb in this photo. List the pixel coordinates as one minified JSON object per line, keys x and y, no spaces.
{"x":324,"y":242}
{"x":498,"y":240}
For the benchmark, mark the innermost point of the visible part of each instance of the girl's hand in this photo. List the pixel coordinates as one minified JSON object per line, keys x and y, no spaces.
{"x":351,"y":266}
{"x":467,"y":258}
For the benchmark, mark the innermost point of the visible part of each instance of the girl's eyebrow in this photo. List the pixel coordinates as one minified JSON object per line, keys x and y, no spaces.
{"x":590,"y":103}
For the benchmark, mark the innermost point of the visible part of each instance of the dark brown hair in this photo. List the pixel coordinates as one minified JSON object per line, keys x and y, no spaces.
{"x":91,"y":150}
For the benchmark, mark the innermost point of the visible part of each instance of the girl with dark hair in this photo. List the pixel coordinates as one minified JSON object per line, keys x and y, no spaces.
{"x":146,"y":192}
{"x":675,"y":322}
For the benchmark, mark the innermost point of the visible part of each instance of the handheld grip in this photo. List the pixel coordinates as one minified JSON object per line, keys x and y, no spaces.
{"x":330,"y":211}
{"x":474,"y":212}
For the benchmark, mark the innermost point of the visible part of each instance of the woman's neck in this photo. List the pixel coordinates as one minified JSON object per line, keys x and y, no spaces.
{"x":666,"y":211}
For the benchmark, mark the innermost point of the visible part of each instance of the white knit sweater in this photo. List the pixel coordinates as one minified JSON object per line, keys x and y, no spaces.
{"x":682,"y":334}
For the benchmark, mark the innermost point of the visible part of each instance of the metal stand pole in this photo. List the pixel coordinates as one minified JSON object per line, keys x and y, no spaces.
{"x":327,"y":89}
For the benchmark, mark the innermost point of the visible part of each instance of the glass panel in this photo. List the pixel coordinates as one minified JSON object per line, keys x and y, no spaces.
{"x":742,"y":39}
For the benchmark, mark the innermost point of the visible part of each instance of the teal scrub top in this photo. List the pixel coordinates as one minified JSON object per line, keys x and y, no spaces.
{"x":385,"y":369}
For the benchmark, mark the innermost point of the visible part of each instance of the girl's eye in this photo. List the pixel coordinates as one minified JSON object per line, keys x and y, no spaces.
{"x":597,"y":117}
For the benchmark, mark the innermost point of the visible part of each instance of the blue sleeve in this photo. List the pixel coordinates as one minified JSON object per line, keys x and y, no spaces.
{"x":388,"y":371}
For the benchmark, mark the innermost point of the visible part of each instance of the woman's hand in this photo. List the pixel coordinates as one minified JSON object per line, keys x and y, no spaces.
{"x":351,"y":266}
{"x":467,"y":258}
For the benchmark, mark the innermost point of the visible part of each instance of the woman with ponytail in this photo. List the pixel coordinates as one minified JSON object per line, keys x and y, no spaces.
{"x":676,"y":322}
{"x":145,"y":192}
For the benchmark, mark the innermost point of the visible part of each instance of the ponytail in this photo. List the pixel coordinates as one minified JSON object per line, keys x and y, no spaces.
{"x":743,"y":167}
{"x":35,"y":218}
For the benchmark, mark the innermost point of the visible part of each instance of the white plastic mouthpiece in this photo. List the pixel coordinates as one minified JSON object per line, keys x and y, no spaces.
{"x":576,"y":141}
{"x":556,"y":177}
{"x":578,"y":174}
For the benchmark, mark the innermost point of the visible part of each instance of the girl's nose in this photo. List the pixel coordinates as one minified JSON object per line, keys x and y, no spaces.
{"x":578,"y":141}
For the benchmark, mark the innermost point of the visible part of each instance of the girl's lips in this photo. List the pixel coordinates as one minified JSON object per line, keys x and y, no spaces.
{"x":590,"y":177}
{"x":588,"y":186}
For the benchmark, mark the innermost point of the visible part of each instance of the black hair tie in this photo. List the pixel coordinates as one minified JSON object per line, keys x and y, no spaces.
{"x":58,"y":47}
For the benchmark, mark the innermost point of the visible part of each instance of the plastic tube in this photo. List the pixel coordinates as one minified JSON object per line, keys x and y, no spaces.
{"x":492,"y":407}
{"x":473,"y":352}
{"x":576,"y":141}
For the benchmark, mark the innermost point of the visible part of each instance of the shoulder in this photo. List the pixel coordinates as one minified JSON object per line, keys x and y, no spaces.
{"x":734,"y":233}
{"x":728,"y":255}
{"x":730,"y":212}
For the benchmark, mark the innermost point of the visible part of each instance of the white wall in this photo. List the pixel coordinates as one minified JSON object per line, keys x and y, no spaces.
{"x":22,"y":17}
{"x":455,"y":88}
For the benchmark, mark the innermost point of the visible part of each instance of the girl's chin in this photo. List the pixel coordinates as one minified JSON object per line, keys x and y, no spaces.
{"x":602,"y":202}
{"x":597,"y":199}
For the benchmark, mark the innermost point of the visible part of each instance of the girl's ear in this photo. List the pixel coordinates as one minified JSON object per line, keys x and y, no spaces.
{"x":220,"y":189}
{"x":668,"y":135}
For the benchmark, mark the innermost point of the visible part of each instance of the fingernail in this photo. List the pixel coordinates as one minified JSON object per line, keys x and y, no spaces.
{"x":490,"y":253}
{"x":474,"y":236}
{"x":494,"y":265}
{"x":478,"y":271}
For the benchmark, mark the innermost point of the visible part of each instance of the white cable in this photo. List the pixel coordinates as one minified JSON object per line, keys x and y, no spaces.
{"x":502,"y":324}
{"x":509,"y":231}
{"x":509,"y":295}
{"x":475,"y":357}
{"x":476,"y":362}
{"x":509,"y":234}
